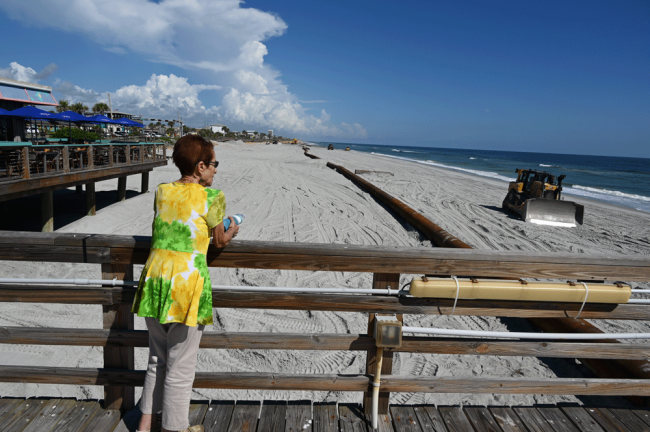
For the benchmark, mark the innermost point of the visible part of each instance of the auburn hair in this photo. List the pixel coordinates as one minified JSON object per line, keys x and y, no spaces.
{"x":189,"y":151}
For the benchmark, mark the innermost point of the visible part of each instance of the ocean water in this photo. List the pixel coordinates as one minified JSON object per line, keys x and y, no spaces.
{"x":623,"y":181}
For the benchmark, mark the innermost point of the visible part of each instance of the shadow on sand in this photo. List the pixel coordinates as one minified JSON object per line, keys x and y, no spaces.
{"x":24,"y":214}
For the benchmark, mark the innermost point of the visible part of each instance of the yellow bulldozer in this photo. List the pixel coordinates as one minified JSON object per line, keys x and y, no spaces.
{"x":536,"y":196}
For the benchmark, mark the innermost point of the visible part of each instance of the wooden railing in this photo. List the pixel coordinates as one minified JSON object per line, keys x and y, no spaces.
{"x":118,"y":254}
{"x":22,"y":162}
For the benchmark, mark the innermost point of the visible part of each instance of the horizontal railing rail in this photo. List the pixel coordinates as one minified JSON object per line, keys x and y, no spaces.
{"x":129,"y":250}
{"x":329,"y":342}
{"x":118,"y":254}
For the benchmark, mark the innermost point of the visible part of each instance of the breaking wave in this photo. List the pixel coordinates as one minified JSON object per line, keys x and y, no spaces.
{"x":434,"y":163}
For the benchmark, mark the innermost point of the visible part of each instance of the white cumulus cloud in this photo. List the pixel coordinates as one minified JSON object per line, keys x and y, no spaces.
{"x":220,"y":39}
{"x":18,"y":72}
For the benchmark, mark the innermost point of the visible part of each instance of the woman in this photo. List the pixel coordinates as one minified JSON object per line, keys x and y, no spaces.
{"x":175,"y":294}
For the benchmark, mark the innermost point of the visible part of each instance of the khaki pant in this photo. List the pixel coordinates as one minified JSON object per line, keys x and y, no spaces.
{"x":170,"y":373}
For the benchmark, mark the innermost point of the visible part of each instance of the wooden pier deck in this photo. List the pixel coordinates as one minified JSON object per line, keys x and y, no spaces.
{"x":50,"y":415}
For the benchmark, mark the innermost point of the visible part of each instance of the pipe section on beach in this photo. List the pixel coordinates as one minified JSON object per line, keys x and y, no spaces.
{"x":433,"y":232}
{"x":441,"y":238}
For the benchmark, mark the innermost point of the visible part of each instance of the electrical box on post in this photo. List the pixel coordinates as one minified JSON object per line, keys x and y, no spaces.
{"x":388,"y":331}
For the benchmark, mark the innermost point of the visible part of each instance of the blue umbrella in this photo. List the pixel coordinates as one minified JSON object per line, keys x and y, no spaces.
{"x":100,"y":119}
{"x":128,"y":122}
{"x":31,"y":112}
{"x":71,"y":116}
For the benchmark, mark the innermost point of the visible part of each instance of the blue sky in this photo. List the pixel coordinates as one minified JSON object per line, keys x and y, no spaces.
{"x":565,"y":77}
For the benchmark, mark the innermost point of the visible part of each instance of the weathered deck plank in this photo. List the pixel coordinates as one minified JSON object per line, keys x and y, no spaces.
{"x":79,"y":418}
{"x":351,"y":418}
{"x":405,"y":419}
{"x":49,"y":415}
{"x":582,"y":419}
{"x":481,"y":419}
{"x":197,"y":412}
{"x":217,"y":418}
{"x":608,"y":421}
{"x":507,"y":419}
{"x":23,"y":414}
{"x":272,"y":416}
{"x":326,"y":417}
{"x":69,"y":415}
{"x":455,"y":419}
{"x":533,"y":420}
{"x":430,"y":419}
{"x":299,"y":417}
{"x":557,"y":419}
{"x":244,"y":417}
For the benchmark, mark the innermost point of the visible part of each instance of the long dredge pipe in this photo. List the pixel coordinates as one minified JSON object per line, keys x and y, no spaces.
{"x":441,"y":238}
{"x":433,"y":232}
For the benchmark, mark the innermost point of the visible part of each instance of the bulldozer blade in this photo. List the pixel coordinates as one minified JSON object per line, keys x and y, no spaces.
{"x":553,"y":212}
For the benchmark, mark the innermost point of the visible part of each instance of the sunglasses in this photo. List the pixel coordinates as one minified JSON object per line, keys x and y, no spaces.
{"x":215,"y":164}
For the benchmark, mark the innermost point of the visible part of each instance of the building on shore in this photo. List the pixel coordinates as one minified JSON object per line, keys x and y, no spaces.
{"x":218,"y":128}
{"x":17,"y":94}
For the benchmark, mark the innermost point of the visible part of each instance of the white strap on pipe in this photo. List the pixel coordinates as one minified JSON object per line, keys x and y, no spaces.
{"x":584,"y":301}
{"x":457,"y":292}
{"x":374,"y":384}
{"x":524,"y":335}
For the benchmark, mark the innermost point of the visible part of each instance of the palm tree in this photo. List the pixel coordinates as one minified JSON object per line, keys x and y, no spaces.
{"x":79,"y":107}
{"x":64,"y":105}
{"x":100,"y":108}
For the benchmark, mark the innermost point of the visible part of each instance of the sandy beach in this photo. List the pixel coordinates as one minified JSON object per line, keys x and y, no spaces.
{"x":288,"y":197}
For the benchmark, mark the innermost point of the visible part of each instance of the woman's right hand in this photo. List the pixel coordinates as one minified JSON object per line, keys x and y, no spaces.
{"x":220,"y":237}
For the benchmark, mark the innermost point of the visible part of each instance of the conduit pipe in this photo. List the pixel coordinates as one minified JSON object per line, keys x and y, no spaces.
{"x":376,"y":383}
{"x":433,"y":232}
{"x":110,"y":282}
{"x":524,"y":335}
{"x":312,"y":290}
{"x":115,"y":282}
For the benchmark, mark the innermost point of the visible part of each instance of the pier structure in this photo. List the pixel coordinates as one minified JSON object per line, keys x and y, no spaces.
{"x":118,"y":254}
{"x":27,"y":169}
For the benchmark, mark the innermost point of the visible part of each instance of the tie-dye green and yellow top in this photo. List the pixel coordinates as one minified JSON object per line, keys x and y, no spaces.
{"x":175,"y":284}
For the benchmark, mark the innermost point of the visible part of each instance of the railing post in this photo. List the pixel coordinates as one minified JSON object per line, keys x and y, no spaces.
{"x":379,"y":281}
{"x":127,"y":154}
{"x":91,"y":158}
{"x":66,"y":160}
{"x":110,"y":156}
{"x":141,"y":153}
{"x":118,"y":317}
{"x":26,"y":163}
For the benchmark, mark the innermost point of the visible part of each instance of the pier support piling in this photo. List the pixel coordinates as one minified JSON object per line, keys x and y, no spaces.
{"x":145,"y":182}
{"x":91,"y":209}
{"x":47,"y":211}
{"x":121,"y":188}
{"x":78,"y":189}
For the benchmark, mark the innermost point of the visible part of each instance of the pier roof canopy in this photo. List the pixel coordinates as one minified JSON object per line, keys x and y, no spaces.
{"x":27,"y":93}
